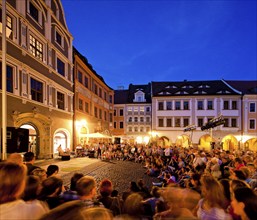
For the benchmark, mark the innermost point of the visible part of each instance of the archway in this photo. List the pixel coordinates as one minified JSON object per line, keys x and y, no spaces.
{"x":205,"y":141}
{"x":33,"y":138}
{"x":60,"y":139}
{"x":229,"y":142}
{"x":251,"y":144}
{"x":183,"y":141}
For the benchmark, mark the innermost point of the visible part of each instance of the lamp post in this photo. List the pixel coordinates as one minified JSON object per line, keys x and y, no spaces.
{"x":4,"y":98}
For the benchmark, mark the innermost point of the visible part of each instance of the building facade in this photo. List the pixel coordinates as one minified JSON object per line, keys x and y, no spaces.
{"x":133,"y":113}
{"x":179,"y":105}
{"x":39,"y":74}
{"x":93,"y":102}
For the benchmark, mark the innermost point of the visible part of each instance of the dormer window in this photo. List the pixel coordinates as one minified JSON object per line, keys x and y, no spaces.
{"x":139,"y":96}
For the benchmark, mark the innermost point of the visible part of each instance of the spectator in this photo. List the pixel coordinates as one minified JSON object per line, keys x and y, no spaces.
{"x":51,"y":190}
{"x":212,"y":205}
{"x":40,"y":173}
{"x":29,"y":159}
{"x":86,"y":188}
{"x":244,"y":203}
{"x":112,"y":203}
{"x":52,"y":170}
{"x":71,"y":194}
{"x":15,"y":158}
{"x":37,"y":208}
{"x":12,"y":185}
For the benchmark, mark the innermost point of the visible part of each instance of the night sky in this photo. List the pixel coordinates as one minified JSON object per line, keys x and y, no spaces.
{"x":142,"y":41}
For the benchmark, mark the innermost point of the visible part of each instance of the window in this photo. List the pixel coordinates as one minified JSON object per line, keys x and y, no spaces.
{"x":135,"y":110}
{"x":86,"y":82}
{"x":36,"y":90}
{"x":177,"y":122}
{"x":200,"y":105}
{"x":58,"y":38}
{"x":100,"y":92}
{"x":168,"y":105}
{"x":105,"y":115}
{"x":147,"y":129}
{"x":121,"y":112}
{"x":36,"y":48}
{"x":148,"y":119}
{"x":148,"y":109}
{"x":130,"y":119}
{"x":210,"y":105}
{"x":60,"y":67}
{"x":33,"y":11}
{"x":95,"y":111}
{"x":60,"y":100}
{"x":200,"y":122}
{"x":114,"y":112}
{"x":233,"y":122}
{"x":186,"y":105}
{"x":81,"y":104}
{"x":226,"y":122}
{"x":141,"y":119}
{"x":141,"y":129}
{"x":160,"y":122}
{"x":252,"y":107}
{"x":9,"y":25}
{"x":226,"y":105}
{"x":111,"y":119}
{"x":86,"y":107}
{"x":129,"y":109}
{"x":9,"y":78}
{"x":80,"y":77}
{"x":234,"y":105}
{"x":142,"y":110}
{"x":168,"y":122}
{"x":160,"y":106}
{"x":252,"y":124}
{"x":136,"y":129}
{"x":185,"y":122}
{"x":100,"y":113}
{"x":114,"y":125}
{"x":130,"y":129}
{"x":177,"y":105}
{"x":136,"y":119}
{"x":110,"y":98}
{"x":105,"y":94}
{"x":95,"y":89}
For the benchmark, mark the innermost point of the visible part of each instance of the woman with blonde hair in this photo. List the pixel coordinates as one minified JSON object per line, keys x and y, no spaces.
{"x":212,"y":205}
{"x":12,"y":184}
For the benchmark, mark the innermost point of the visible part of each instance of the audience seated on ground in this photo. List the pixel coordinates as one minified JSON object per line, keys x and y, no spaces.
{"x":52,"y":170}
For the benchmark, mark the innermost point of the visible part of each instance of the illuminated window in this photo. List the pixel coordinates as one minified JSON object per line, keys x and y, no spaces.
{"x":60,"y":100}
{"x":36,"y":48}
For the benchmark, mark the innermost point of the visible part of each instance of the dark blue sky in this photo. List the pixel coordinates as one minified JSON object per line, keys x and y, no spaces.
{"x":141,"y":41}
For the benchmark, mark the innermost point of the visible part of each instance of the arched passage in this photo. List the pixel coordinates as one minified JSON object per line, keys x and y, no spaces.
{"x":229,"y":142}
{"x":33,"y":138}
{"x":183,"y":141}
{"x":251,"y":144}
{"x":205,"y":141}
{"x":42,"y":124}
{"x":61,"y":138}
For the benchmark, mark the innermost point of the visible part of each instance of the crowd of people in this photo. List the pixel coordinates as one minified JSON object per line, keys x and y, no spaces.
{"x":193,"y":184}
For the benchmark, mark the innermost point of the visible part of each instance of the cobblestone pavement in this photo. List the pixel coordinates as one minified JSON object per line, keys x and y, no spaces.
{"x":119,"y":172}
